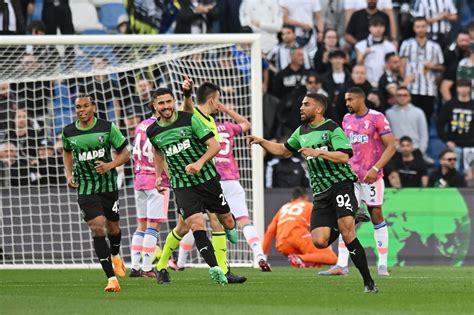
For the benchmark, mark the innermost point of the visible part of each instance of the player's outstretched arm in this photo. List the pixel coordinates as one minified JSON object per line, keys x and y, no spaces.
{"x":213,"y":147}
{"x":187,"y":86}
{"x":274,"y":148}
{"x":68,"y":163}
{"x":241,"y":120}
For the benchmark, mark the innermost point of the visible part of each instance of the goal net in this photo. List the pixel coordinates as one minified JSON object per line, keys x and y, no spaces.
{"x":40,"y":77}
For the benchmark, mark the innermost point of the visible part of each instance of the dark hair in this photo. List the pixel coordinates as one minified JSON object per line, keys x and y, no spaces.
{"x":376,"y":21}
{"x":84,"y":95}
{"x":39,"y":25}
{"x":464,"y":32}
{"x":337,"y":53}
{"x":390,"y":55}
{"x":419,"y":18}
{"x":205,"y":91}
{"x":444,"y":152}
{"x":313,"y":75}
{"x":405,"y":139}
{"x":299,"y":192}
{"x":356,"y":90}
{"x":320,"y":99}
{"x":470,"y":25}
{"x":404,"y":88}
{"x":291,"y":27}
{"x":161,"y":91}
{"x":463,"y":82}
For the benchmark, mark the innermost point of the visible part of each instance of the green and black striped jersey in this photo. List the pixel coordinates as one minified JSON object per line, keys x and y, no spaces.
{"x":183,"y":142}
{"x":89,"y":145}
{"x":325,"y":136}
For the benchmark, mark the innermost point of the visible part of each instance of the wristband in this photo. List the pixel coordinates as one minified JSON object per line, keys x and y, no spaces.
{"x":187,"y":93}
{"x":375,"y":169}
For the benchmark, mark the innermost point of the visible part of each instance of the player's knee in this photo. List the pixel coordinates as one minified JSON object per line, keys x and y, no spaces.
{"x":348,"y":236}
{"x":98,"y":230}
{"x":320,"y":242}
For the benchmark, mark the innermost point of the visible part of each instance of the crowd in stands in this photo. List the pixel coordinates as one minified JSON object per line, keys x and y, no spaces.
{"x":413,"y":59}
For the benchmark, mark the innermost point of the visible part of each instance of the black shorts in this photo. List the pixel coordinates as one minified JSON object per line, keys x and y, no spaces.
{"x":337,"y":202}
{"x":106,"y":204}
{"x":195,"y":199}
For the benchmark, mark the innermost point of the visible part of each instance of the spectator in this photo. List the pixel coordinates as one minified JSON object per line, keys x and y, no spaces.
{"x":465,"y":69}
{"x":133,"y":116}
{"x":456,"y":52}
{"x":12,"y":20}
{"x":23,"y":135}
{"x":456,"y":125}
{"x":145,"y":16}
{"x":229,"y":15}
{"x":280,"y":55}
{"x":358,"y":25}
{"x":350,"y":6}
{"x":408,"y":120}
{"x":371,"y":51}
{"x":302,"y":15}
{"x":286,"y":173}
{"x":446,"y":175}
{"x":48,"y":169}
{"x":6,"y":105}
{"x":406,"y":169}
{"x":333,"y":15}
{"x":391,"y":80}
{"x":123,"y":26}
{"x":291,"y":77}
{"x":47,"y":55}
{"x":57,"y":14}
{"x":264,"y":17}
{"x":424,"y":57}
{"x":337,"y":76}
{"x":358,"y":79}
{"x":13,"y":168}
{"x":196,"y":17}
{"x":144,"y":87}
{"x":470,"y":30}
{"x":321,"y":58}
{"x":439,"y":14}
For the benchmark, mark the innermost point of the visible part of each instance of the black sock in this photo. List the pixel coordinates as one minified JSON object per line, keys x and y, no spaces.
{"x":360,"y":260}
{"x":333,"y":236}
{"x":102,"y":251}
{"x":115,"y":241}
{"x":205,"y":248}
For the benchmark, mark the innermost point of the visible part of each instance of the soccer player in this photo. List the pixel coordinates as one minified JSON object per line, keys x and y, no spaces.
{"x":152,"y":206}
{"x":188,"y":147}
{"x":327,"y":151}
{"x":233,"y":190}
{"x":290,"y":226}
{"x":91,"y":170}
{"x":373,"y":146}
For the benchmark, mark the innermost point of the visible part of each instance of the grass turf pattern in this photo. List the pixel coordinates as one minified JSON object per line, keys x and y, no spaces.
{"x":409,"y":290}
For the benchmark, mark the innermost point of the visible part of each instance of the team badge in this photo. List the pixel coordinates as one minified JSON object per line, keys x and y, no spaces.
{"x":325,"y":137}
{"x":184,"y":132}
{"x":366,"y":124}
{"x":101,"y":139}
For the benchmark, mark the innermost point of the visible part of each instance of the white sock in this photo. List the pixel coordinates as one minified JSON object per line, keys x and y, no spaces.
{"x":185,"y":246}
{"x":253,"y":240}
{"x":381,"y":240}
{"x":137,"y":247}
{"x":343,"y":253}
{"x":149,"y":247}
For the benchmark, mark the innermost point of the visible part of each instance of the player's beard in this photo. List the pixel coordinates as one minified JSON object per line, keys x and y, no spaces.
{"x":168,"y":111}
{"x":306,"y":118}
{"x":350,"y":110}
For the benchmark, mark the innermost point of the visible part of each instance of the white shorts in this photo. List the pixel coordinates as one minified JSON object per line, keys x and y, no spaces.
{"x":235,"y":196}
{"x":370,"y":194}
{"x":151,"y":205}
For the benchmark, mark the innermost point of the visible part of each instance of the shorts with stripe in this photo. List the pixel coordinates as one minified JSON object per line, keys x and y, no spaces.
{"x":235,"y":195}
{"x":370,"y":194}
{"x":151,"y":205}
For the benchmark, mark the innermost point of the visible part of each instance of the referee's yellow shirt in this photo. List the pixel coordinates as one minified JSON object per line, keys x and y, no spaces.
{"x":208,"y":121}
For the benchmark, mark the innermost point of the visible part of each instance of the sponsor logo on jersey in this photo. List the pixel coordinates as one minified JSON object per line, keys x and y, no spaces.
{"x":91,"y":155}
{"x":176,"y":148}
{"x":356,"y":138}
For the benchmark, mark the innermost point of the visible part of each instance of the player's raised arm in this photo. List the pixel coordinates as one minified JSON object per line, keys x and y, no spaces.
{"x":271,"y":147}
{"x":187,"y":86}
{"x":239,"y":119}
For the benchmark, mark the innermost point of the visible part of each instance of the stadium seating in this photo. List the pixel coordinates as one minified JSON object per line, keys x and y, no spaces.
{"x":84,"y":16}
{"x":99,"y":3}
{"x":109,"y":14}
{"x":63,"y":108}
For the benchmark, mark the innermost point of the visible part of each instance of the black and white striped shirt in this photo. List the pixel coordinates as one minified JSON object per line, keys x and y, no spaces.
{"x":431,"y":8}
{"x":280,"y":56}
{"x":417,"y":56}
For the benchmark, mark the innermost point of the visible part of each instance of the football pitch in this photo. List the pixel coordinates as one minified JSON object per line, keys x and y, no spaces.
{"x":409,"y":290}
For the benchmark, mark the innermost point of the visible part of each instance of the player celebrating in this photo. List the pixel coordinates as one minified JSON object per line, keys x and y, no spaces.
{"x":87,"y":144}
{"x":152,"y":207}
{"x":233,"y":191}
{"x":290,"y":225}
{"x":327,"y":151}
{"x":373,"y":145}
{"x":188,"y":147}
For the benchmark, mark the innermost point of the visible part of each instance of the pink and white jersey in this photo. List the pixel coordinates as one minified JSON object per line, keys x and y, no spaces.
{"x":365,"y":134}
{"x":225,"y":161}
{"x":143,"y":164}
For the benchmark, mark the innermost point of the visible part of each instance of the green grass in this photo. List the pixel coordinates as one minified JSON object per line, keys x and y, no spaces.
{"x":410,"y":290}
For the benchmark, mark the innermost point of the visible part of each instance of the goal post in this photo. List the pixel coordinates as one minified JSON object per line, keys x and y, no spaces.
{"x":40,"y":77}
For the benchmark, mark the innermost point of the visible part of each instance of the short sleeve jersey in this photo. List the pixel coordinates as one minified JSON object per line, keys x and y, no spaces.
{"x":143,"y":163}
{"x":225,"y":160}
{"x":326,"y":136}
{"x":89,"y":145}
{"x":183,"y":142}
{"x":365,"y":133}
{"x":208,"y":121}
